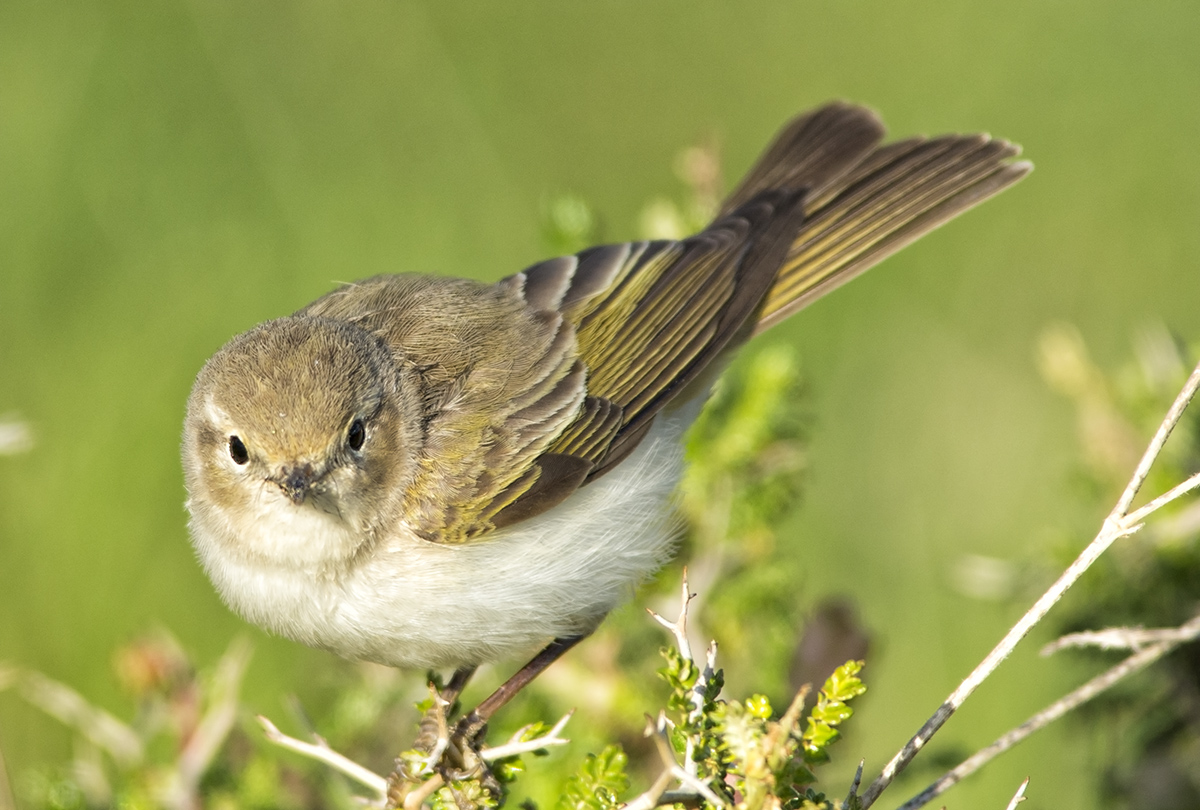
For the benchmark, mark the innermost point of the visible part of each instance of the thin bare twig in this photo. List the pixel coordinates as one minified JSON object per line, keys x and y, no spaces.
{"x":1156,"y":444}
{"x":321,"y":752}
{"x":1111,"y":531}
{"x":1134,"y":663}
{"x":854,"y":785}
{"x":95,"y":725}
{"x":678,"y":628}
{"x":1120,"y":638}
{"x":1118,"y":524}
{"x":1019,"y":796}
{"x":1140,"y":514}
{"x":656,"y":795}
{"x":516,"y":745}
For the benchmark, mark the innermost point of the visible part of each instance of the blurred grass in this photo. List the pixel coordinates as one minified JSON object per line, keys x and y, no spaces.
{"x":173,"y":172}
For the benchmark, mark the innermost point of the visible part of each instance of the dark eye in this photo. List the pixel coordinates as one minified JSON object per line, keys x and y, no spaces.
{"x":237,"y":450}
{"x":356,"y":435}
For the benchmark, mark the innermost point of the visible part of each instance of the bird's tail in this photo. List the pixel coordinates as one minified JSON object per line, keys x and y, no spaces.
{"x":864,"y":201}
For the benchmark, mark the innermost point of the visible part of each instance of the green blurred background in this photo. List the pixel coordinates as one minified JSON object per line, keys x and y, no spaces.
{"x":172,"y":173}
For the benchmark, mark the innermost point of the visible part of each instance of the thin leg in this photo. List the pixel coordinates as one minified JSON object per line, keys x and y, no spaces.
{"x":473,"y":723}
{"x":458,"y":682}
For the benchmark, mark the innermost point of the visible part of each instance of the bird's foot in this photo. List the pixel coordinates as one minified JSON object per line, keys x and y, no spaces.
{"x":446,"y":754}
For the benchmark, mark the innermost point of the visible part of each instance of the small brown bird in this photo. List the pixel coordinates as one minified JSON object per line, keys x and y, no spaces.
{"x":435,"y":472}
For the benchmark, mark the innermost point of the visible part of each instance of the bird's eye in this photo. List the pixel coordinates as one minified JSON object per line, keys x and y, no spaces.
{"x":237,"y":451}
{"x":356,"y":435}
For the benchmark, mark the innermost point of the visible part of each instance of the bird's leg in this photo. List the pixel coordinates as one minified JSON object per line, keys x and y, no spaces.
{"x":472,"y":724}
{"x":460,"y":757}
{"x":454,"y":754}
{"x":458,"y":682}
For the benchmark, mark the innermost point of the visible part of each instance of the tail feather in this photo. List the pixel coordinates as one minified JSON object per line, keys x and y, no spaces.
{"x":813,"y":151}
{"x":865,"y":201}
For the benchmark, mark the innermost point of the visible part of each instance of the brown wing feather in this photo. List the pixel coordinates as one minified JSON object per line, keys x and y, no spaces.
{"x":652,"y":316}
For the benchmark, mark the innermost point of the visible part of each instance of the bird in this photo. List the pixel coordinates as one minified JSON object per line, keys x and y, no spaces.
{"x":432,"y":472}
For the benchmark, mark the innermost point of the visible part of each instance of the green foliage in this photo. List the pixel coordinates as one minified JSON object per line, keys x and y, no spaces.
{"x":741,"y":750}
{"x":832,"y":710}
{"x":745,"y":453}
{"x":746,"y":473}
{"x":769,"y":762}
{"x":599,"y":784}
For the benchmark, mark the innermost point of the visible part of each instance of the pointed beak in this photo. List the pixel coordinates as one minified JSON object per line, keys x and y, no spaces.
{"x":296,"y":482}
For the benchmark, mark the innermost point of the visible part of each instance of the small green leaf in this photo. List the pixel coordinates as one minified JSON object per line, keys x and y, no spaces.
{"x":842,"y":684}
{"x":759,"y":706}
{"x":831,"y":712}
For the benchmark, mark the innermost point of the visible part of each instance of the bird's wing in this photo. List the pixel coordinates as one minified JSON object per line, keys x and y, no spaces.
{"x":536,"y":384}
{"x":652,"y":317}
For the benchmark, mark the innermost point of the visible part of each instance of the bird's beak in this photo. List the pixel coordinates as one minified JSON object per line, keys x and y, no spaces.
{"x":296,"y":482}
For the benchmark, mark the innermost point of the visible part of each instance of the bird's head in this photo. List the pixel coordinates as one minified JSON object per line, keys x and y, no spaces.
{"x":298,"y":440}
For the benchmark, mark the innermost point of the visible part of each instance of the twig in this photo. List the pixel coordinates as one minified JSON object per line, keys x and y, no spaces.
{"x":1119,"y":638}
{"x":1111,"y":531}
{"x":378,"y":785}
{"x":656,"y":795}
{"x":321,"y":752}
{"x":1134,"y":663}
{"x":95,"y":725}
{"x":1019,"y":796}
{"x":678,"y":629}
{"x":854,"y":785}
{"x":1118,"y":524}
{"x":516,"y":745}
{"x":1140,"y":514}
{"x":1156,"y":444}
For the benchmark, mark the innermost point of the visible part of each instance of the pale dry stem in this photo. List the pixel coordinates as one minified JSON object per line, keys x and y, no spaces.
{"x":1119,"y":523}
{"x":1019,"y":796}
{"x":657,"y":795}
{"x":321,"y":752}
{"x":1169,"y":640}
{"x":1120,"y":638}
